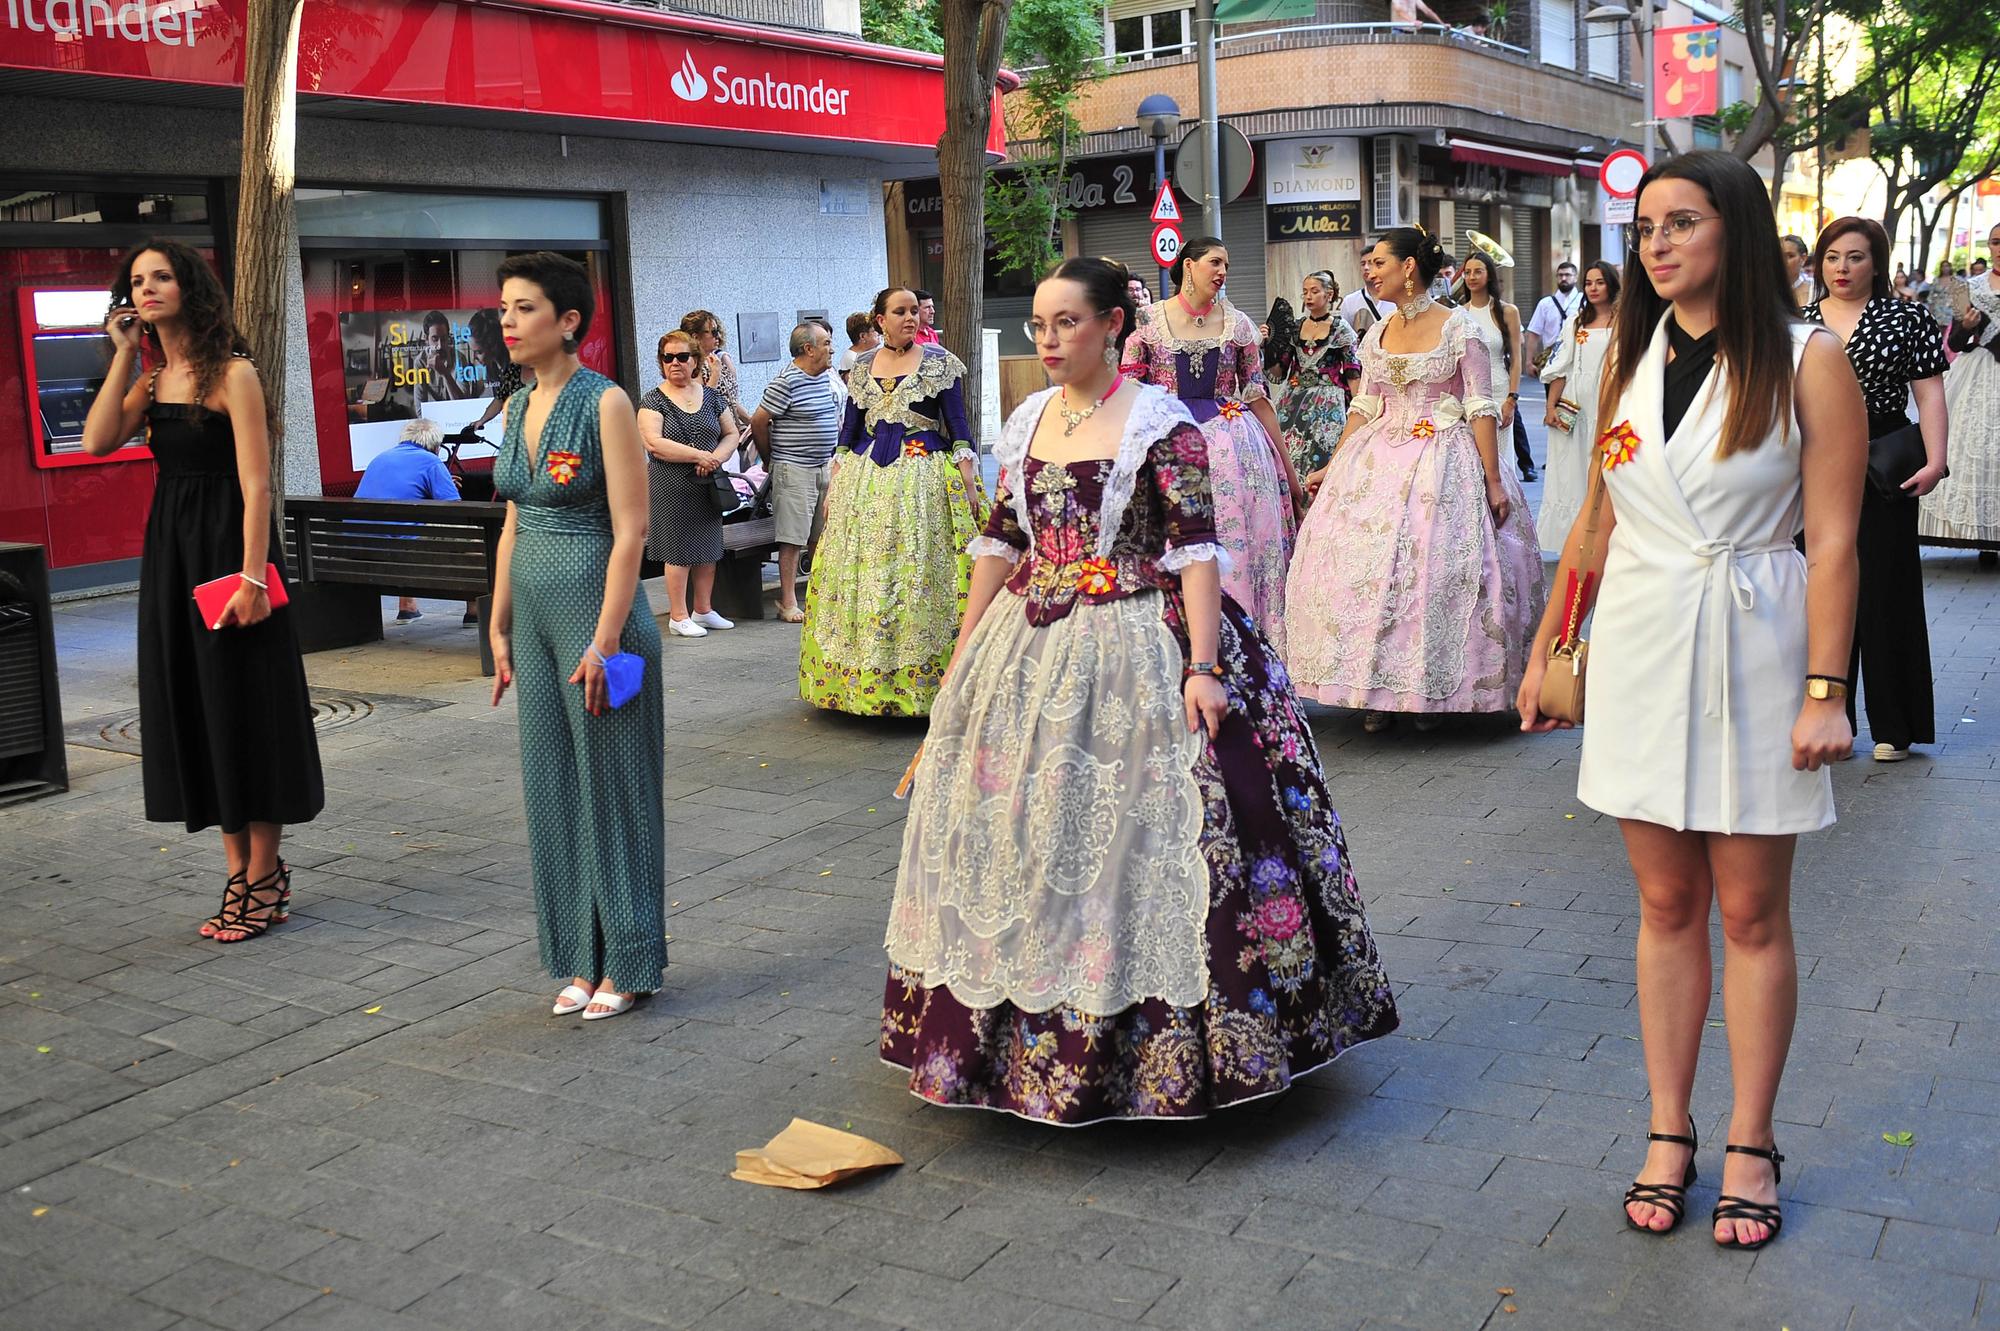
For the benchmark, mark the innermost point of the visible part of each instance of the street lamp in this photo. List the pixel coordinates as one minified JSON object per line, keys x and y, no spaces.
{"x":1641,"y":20}
{"x":1161,"y":116}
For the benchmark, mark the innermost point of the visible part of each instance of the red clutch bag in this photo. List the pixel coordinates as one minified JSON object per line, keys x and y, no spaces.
{"x":211,"y":597}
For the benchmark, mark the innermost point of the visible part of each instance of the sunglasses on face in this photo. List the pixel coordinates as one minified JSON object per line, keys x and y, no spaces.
{"x":675,"y":357}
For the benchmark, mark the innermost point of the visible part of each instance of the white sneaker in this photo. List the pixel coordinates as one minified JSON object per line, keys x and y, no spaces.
{"x":1889,"y":753}
{"x":708,"y":619}
{"x":686,"y":628}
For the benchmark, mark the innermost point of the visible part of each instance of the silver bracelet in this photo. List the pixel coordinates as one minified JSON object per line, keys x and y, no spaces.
{"x":258,"y":583}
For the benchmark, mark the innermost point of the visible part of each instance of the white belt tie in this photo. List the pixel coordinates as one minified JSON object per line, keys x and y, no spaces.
{"x":1727,"y":580}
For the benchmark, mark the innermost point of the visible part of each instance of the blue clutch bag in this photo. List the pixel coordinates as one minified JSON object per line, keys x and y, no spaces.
{"x":624,"y":673}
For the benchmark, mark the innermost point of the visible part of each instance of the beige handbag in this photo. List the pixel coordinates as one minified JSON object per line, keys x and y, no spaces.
{"x":1562,"y":680}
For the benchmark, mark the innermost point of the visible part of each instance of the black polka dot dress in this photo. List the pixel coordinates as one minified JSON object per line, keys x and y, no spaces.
{"x":592,"y":784}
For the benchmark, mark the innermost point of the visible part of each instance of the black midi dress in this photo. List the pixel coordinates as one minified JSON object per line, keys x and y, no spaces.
{"x":686,"y":529}
{"x":224,"y":717}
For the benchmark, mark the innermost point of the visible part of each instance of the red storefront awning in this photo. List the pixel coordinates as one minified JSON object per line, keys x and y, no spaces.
{"x":579,"y":65}
{"x":1514,"y":159}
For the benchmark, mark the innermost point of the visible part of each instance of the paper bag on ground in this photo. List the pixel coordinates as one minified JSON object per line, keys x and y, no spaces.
{"x":808,"y":1155}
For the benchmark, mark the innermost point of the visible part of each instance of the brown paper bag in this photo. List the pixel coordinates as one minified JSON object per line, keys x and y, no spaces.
{"x":809,"y":1155}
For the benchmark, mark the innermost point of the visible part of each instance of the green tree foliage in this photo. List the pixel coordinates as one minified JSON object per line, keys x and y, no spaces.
{"x":1060,"y":46}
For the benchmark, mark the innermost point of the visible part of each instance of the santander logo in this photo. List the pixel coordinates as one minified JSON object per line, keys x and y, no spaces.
{"x":756,"y":90}
{"x":688,"y":84}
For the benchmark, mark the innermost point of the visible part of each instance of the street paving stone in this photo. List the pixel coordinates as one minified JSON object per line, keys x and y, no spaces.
{"x":368,"y":1121}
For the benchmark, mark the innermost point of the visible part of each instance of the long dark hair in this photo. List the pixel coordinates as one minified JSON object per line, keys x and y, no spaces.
{"x":1754,"y":313}
{"x":1878,"y":250}
{"x":1106,"y":282}
{"x":213,"y":339}
{"x":1609,"y":272}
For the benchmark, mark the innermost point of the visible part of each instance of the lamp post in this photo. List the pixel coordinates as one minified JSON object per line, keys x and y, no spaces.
{"x":1641,"y":20}
{"x":1161,"y":116}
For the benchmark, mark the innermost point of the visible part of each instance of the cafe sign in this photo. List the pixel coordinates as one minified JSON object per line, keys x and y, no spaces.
{"x":1319,"y":170}
{"x":1332,"y":219}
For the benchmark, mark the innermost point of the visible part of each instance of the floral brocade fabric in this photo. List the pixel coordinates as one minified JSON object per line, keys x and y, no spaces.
{"x":1099,"y":915}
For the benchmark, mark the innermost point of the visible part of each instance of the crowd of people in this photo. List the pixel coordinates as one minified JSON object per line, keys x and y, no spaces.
{"x":1124,"y":891}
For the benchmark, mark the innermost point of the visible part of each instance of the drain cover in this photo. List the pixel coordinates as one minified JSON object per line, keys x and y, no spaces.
{"x":331,"y":711}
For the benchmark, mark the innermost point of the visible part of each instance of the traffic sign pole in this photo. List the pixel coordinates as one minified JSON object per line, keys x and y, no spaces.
{"x":1166,"y":244}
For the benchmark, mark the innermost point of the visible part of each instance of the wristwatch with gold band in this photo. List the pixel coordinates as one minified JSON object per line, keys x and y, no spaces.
{"x":1821,"y":687}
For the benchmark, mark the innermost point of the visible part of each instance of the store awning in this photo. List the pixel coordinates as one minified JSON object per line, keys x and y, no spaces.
{"x":1514,"y":159}
{"x":582,"y":66}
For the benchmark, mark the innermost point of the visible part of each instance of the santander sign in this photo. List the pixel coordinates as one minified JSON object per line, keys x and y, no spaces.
{"x":817,"y":97}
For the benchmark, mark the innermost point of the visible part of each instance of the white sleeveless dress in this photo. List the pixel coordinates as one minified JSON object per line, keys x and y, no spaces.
{"x":1698,"y":644}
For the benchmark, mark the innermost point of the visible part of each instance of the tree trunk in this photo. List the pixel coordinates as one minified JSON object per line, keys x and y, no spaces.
{"x":973,"y":31}
{"x":266,"y":218}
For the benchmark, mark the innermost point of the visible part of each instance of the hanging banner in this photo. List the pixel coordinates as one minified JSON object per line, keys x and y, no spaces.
{"x":1687,"y":80}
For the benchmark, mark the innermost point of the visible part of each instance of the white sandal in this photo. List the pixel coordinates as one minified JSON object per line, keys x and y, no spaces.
{"x":616,"y":1002}
{"x":573,"y":999}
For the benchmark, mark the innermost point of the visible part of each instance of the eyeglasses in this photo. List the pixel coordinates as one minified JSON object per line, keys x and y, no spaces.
{"x":1679,"y":228}
{"x":675,"y":357}
{"x":1065,"y":326}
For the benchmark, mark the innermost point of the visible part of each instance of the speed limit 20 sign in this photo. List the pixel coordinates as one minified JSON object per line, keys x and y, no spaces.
{"x":1166,"y":244}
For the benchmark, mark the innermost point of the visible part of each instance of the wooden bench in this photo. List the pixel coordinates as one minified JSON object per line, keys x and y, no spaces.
{"x":346,"y":554}
{"x":739,"y":574}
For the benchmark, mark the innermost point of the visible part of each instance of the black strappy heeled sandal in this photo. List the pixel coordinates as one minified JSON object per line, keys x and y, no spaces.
{"x":1728,"y":1207}
{"x":273,"y":911}
{"x":232,"y":901}
{"x":1668,"y":1197}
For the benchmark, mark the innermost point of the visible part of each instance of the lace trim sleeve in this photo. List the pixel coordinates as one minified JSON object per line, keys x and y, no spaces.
{"x":1365,"y":406}
{"x":1179,"y":557}
{"x":1155,"y":414}
{"x":981,"y":546}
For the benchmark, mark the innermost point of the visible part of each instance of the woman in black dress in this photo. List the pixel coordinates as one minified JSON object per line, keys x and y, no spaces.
{"x":223,"y":705}
{"x":1894,"y":349}
{"x":689,"y":433}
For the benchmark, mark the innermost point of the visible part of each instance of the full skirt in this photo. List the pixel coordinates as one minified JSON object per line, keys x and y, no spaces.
{"x":1404,"y":596}
{"x":888,"y":586}
{"x":1965,"y":507}
{"x":1253,"y":516}
{"x":1098,"y":915}
{"x":1312,"y":416}
{"x":1566,"y":474}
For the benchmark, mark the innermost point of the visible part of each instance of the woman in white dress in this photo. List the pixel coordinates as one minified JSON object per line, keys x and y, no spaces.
{"x":1964,"y":510}
{"x":1499,"y":325}
{"x":1572,"y":377}
{"x":1714,"y":697}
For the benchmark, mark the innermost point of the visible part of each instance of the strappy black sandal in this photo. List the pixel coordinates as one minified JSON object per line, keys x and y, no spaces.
{"x":232,"y":901}
{"x":1728,"y":1207}
{"x":270,"y":910}
{"x":1668,"y":1197}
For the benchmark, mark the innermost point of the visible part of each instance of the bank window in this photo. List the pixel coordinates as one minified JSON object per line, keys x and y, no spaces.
{"x":132,"y":207}
{"x":377,"y":214}
{"x":1147,"y":36}
{"x":1558,"y":22}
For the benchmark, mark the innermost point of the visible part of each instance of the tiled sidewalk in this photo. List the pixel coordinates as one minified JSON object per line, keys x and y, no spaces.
{"x":369,"y":1121}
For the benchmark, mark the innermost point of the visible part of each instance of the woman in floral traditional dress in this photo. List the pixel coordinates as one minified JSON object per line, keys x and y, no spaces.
{"x":1312,"y":410}
{"x":889,"y":579}
{"x":1123,"y":893}
{"x":1418,"y":579}
{"x":1203,"y":350}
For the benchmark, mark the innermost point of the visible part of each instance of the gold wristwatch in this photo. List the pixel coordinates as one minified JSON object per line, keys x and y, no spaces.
{"x":1821,"y":687}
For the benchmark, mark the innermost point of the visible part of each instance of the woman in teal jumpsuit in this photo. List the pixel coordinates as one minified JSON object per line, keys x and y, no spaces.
{"x":574,"y":474}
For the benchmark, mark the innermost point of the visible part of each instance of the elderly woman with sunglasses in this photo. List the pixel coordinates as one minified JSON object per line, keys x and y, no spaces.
{"x":689,"y":433}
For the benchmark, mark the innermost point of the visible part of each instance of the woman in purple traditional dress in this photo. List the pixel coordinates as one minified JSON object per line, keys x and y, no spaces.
{"x":1123,"y":892}
{"x":1203,"y":350}
{"x":1417,"y":584}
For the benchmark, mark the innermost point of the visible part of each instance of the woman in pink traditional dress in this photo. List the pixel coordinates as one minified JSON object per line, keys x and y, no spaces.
{"x":1203,"y":350}
{"x":1417,"y":584}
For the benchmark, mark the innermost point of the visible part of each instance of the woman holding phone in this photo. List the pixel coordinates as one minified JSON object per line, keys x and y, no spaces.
{"x":223,"y":703}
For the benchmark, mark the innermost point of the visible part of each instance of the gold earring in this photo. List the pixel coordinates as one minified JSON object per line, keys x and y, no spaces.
{"x":1409,"y":286}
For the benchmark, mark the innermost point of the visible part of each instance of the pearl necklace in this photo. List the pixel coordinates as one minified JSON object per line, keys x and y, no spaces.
{"x":1201,"y":319}
{"x":1072,"y":419}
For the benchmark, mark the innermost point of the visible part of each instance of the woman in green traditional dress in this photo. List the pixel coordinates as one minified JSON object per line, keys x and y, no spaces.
{"x":573,"y":473}
{"x":889,"y":582}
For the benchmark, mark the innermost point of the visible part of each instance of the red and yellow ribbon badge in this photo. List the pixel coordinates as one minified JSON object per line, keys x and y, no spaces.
{"x":562,"y":467}
{"x":1619,"y":443}
{"x":1424,"y":428}
{"x":1097,"y":577}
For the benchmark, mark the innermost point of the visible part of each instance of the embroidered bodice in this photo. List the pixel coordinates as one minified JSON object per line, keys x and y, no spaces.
{"x":1107,"y":528}
{"x":1449,"y":383}
{"x":1309,"y":359}
{"x":1207,"y":373}
{"x":908,"y":416}
{"x":1987,"y":301}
